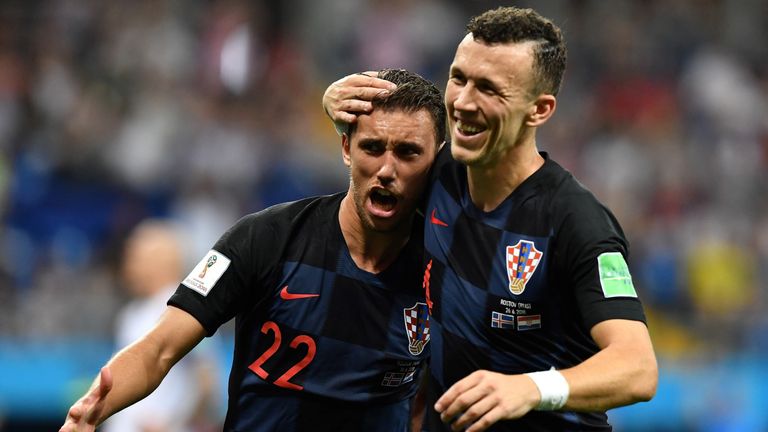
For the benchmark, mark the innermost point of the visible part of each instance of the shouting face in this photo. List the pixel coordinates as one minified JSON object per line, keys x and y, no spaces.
{"x":389,"y":156}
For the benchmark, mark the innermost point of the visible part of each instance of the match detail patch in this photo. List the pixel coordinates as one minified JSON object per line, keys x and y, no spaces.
{"x":207,"y":272}
{"x":614,"y":275}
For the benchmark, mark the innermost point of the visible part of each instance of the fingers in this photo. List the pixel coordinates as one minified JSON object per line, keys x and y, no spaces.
{"x":490,"y":418}
{"x":70,"y":426}
{"x":350,"y":96}
{"x":468,"y":406}
{"x":353,"y":106}
{"x":344,"y":118}
{"x":479,"y":415}
{"x":457,"y":389}
{"x":480,"y":400}
{"x":75,"y":413}
{"x":74,"y":417}
{"x":369,"y":93}
{"x":105,"y":382}
{"x":84,"y":414}
{"x":364,"y":86}
{"x":370,"y":79}
{"x":461,"y":404}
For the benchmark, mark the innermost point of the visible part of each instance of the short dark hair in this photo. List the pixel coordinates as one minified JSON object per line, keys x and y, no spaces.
{"x":413,"y":93}
{"x":511,"y":24}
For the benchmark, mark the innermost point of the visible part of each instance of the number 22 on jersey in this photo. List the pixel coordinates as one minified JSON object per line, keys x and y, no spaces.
{"x":283,"y":380}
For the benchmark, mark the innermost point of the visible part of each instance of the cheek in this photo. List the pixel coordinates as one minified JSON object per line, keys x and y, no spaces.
{"x":417,"y":180}
{"x":360,"y":176}
{"x":450,"y":96}
{"x":508,"y":122}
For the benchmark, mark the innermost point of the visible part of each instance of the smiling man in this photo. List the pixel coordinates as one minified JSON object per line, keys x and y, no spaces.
{"x":332,"y":330}
{"x":535,"y":322}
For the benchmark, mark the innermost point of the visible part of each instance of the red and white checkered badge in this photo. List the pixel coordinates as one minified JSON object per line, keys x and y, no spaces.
{"x":522,"y":260}
{"x":417,"y":327}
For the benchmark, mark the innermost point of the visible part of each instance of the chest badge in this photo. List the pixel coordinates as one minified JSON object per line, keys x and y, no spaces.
{"x":417,"y":327}
{"x":522,"y":260}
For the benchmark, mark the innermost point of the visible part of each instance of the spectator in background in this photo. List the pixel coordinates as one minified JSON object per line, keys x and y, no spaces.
{"x":186,"y":400}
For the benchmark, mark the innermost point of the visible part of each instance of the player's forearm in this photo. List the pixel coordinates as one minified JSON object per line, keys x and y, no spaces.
{"x":618,"y":375}
{"x":137,"y":370}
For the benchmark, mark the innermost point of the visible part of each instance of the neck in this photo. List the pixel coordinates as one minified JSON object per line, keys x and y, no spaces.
{"x":490,"y":184}
{"x":372,"y":251}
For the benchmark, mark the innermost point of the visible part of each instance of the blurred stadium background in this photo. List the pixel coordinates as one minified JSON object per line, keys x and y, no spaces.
{"x":201,"y":111}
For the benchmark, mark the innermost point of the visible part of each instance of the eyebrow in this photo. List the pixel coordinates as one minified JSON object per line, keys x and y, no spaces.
{"x":370,"y":140}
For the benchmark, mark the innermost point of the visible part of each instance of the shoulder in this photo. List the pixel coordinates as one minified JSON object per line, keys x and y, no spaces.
{"x":577,"y":212}
{"x":570,"y":197}
{"x":268,"y":229}
{"x":286,"y":214}
{"x":449,"y":173}
{"x":293,"y":209}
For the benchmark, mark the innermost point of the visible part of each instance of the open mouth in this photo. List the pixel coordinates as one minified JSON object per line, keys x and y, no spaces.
{"x":383,"y":200}
{"x":468,"y":129}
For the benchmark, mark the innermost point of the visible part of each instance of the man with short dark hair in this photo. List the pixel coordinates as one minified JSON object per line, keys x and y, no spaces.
{"x":535,"y":322}
{"x":332,"y":329}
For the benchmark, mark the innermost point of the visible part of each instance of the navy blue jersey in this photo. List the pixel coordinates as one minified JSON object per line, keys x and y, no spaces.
{"x":319,"y":343}
{"x":518,"y":289}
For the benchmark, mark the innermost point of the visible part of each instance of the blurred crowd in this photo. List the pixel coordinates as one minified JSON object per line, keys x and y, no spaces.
{"x":201,"y":111}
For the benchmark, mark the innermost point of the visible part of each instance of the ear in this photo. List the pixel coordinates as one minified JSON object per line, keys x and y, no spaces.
{"x":542,"y":109}
{"x":345,"y":145}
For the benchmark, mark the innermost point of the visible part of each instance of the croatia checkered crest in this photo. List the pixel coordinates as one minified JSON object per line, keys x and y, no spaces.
{"x":522,"y":260}
{"x":417,"y":327}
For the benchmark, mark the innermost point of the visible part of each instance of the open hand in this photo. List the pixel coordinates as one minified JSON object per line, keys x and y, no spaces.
{"x":483,"y":398}
{"x":350,"y":96}
{"x":86,"y":413}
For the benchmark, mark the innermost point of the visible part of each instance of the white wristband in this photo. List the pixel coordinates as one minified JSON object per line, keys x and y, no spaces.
{"x":553,"y":387}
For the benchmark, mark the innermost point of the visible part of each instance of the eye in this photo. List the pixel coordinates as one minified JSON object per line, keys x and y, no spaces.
{"x":457,"y":78}
{"x":371,"y":147}
{"x":408,"y":151}
{"x":486,"y":88}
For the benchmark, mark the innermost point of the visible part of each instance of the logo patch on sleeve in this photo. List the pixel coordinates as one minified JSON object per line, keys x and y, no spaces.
{"x":207,"y":272}
{"x":614,"y":275}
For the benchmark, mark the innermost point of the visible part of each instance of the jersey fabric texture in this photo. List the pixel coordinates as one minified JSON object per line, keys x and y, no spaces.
{"x":518,"y":289}
{"x":319,"y":343}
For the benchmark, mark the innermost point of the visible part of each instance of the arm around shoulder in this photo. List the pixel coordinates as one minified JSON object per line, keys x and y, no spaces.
{"x":136,"y":371}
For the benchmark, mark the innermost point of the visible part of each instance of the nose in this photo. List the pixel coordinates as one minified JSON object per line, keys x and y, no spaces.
{"x":388,"y":169}
{"x":464,"y":98}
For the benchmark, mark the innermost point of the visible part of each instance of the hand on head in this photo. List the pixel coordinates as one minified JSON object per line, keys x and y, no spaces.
{"x":351,"y":96}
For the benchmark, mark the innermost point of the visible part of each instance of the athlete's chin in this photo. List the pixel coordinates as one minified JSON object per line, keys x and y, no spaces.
{"x":465,"y":155}
{"x":384,"y":225}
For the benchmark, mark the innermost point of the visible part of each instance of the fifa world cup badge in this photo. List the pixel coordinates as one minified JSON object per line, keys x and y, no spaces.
{"x":207,"y":272}
{"x":209,"y":264}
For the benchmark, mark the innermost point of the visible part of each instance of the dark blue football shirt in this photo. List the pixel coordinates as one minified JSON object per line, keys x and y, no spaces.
{"x":320,"y":345}
{"x":518,"y":289}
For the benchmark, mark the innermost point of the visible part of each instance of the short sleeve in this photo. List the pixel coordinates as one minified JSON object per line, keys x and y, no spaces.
{"x":232,"y":276}
{"x":594,"y":257}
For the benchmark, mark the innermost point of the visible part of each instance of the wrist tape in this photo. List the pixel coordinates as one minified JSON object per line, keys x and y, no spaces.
{"x":553,"y":387}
